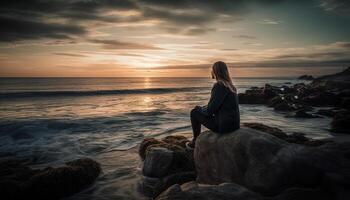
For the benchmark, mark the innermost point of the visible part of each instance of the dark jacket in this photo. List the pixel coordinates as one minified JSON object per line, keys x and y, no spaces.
{"x":223,"y":106}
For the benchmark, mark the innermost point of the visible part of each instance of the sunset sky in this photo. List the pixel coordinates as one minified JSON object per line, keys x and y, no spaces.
{"x":144,"y":38}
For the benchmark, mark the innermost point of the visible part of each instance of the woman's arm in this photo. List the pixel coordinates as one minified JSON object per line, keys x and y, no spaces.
{"x":218,"y":94}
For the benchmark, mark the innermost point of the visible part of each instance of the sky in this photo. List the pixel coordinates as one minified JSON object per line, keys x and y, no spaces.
{"x":169,"y":38}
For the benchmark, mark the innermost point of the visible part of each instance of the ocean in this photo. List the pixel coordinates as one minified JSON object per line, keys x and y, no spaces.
{"x":53,"y":120}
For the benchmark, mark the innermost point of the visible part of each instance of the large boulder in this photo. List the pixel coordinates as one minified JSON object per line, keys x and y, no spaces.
{"x":18,"y":181}
{"x":268,"y":165}
{"x":193,"y":190}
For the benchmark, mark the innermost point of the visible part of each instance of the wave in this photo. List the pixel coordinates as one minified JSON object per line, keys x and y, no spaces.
{"x":6,"y":95}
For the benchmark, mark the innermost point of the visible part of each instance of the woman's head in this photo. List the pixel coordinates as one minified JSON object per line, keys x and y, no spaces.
{"x":221,"y":74}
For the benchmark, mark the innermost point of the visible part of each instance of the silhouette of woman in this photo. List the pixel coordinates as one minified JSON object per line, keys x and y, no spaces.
{"x":221,"y":114}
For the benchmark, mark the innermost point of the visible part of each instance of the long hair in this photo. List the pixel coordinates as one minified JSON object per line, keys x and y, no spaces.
{"x":221,"y":74}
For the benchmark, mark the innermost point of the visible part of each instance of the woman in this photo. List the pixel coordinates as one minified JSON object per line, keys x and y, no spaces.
{"x":221,"y":115}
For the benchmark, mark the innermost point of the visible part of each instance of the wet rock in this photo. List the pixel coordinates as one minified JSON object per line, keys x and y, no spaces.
{"x":306,"y":77}
{"x":304,"y":114}
{"x":326,"y":112}
{"x":152,"y":187}
{"x":166,"y":162}
{"x":322,"y":99}
{"x":285,"y":106}
{"x":341,"y":122}
{"x":340,"y":80}
{"x":176,"y":139}
{"x":248,"y":98}
{"x":274,"y":101}
{"x":158,"y":162}
{"x":286,"y":89}
{"x":345,"y":103}
{"x":296,"y":137}
{"x":146,"y":143}
{"x":266,"y":164}
{"x":18,"y":181}
{"x":270,"y":91}
{"x":193,"y":190}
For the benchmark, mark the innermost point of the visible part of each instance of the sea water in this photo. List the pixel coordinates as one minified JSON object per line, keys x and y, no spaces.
{"x":53,"y":120}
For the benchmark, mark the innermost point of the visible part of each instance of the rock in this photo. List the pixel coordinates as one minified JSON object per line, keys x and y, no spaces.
{"x":18,"y":181}
{"x":267,"y":129}
{"x":326,"y":98}
{"x":158,"y":162}
{"x":176,"y":139}
{"x":152,"y":187}
{"x":341,"y":122}
{"x":149,"y":186}
{"x":286,"y":89}
{"x":345,"y":103}
{"x":306,"y":77}
{"x":339,"y":80}
{"x":326,"y":112}
{"x":193,"y":190}
{"x":303,"y":114}
{"x":254,"y":90}
{"x":269,"y":91}
{"x":297,"y":138}
{"x":285,"y":106}
{"x":166,"y":162}
{"x":246,"y":98}
{"x":146,"y":143}
{"x":266,"y":164}
{"x":274,"y":101}
{"x":299,"y":85}
{"x":301,"y":194}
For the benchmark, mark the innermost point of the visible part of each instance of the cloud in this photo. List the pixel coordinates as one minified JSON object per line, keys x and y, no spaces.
{"x":249,"y":37}
{"x":270,"y":22}
{"x":70,"y":54}
{"x":337,"y":6}
{"x":267,"y":64}
{"x":21,"y":29}
{"x":330,"y":55}
{"x":37,"y":19}
{"x":115,"y":44}
{"x":343,"y":44}
{"x":198,"y":30}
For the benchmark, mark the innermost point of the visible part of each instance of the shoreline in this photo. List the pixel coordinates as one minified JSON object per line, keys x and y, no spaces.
{"x":122,"y":172}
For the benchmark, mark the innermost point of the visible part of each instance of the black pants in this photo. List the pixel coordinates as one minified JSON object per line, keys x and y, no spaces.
{"x":199,"y":118}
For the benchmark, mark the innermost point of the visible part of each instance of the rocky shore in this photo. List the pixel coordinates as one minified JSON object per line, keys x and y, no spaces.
{"x":259,"y":161}
{"x":300,"y":100}
{"x":19,"y":181}
{"x":254,"y":162}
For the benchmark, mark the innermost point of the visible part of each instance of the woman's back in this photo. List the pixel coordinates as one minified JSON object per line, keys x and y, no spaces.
{"x":227,"y":117}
